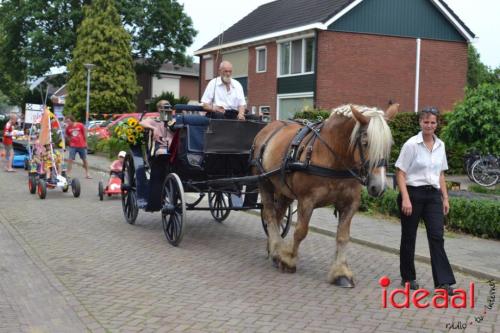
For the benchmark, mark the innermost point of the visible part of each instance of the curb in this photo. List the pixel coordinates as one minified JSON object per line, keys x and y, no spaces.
{"x":329,"y":233}
{"x":420,"y":258}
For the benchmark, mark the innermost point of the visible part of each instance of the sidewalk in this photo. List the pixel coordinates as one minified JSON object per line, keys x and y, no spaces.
{"x":472,"y":255}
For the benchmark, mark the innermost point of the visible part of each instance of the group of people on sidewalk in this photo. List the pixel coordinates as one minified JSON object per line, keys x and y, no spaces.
{"x":420,"y":173}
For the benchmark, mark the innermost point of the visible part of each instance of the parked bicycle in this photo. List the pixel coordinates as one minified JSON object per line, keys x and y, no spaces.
{"x":469,"y":159}
{"x":486,"y":170}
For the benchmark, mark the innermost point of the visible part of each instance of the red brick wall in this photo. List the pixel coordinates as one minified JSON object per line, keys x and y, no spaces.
{"x":189,"y":87}
{"x":443,"y":73}
{"x":262,"y":86}
{"x":203,"y":81}
{"x":372,"y":69}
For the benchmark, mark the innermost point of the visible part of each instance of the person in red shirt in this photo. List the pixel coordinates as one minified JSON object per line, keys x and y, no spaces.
{"x":7,"y":142}
{"x":77,"y":137}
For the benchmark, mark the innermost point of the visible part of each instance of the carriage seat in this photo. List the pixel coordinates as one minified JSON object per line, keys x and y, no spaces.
{"x":182,"y":120}
{"x":188,"y":109}
{"x":191,"y":130}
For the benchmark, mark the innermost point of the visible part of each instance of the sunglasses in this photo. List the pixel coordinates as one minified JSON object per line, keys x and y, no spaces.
{"x":431,"y":110}
{"x":165,"y":107}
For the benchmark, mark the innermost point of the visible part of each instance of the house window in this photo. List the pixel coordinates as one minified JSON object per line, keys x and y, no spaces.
{"x":239,"y":60}
{"x":209,"y":68}
{"x":261,"y":56}
{"x":288,"y":105}
{"x":296,"y":56}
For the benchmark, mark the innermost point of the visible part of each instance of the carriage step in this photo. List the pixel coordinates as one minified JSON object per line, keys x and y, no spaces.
{"x":236,"y":201}
{"x":141,"y":203}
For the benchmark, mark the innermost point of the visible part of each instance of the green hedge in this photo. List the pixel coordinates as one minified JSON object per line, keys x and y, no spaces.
{"x":313,"y":115}
{"x":475,"y":217}
{"x":111,"y":146}
{"x":403,"y":126}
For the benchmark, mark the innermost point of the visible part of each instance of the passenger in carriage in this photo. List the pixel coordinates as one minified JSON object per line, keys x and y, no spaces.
{"x":162,"y":136}
{"x":157,"y":149}
{"x":224,"y":97}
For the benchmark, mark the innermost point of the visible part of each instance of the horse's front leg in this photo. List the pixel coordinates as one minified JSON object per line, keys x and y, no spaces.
{"x":288,"y":253}
{"x":270,"y":213}
{"x":340,"y":273}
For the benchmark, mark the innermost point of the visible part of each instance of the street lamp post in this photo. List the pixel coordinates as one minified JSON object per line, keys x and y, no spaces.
{"x":89,"y":68}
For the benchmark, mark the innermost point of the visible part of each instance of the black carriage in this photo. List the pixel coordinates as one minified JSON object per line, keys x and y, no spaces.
{"x":209,"y":157}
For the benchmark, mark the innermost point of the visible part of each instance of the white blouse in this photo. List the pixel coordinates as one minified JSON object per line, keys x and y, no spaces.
{"x":421,"y":165}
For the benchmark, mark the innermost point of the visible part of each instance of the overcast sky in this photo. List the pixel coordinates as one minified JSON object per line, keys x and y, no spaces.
{"x":211,"y":17}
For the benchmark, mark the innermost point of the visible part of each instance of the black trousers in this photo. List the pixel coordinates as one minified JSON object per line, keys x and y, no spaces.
{"x":426,"y":204}
{"x":230,"y":114}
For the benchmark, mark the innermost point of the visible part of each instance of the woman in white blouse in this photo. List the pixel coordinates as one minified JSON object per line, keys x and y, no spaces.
{"x":423,"y":195}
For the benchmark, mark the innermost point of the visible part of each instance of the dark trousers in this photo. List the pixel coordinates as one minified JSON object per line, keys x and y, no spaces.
{"x":230,"y":114}
{"x":426,"y":204}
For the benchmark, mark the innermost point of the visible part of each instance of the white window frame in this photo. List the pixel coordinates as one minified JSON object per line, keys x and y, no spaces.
{"x":257,"y":49}
{"x":208,"y":59}
{"x":309,"y":94}
{"x":303,"y":64}
{"x":265,"y":117}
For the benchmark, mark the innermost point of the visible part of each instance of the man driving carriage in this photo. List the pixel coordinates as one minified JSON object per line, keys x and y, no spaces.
{"x":224,"y":97}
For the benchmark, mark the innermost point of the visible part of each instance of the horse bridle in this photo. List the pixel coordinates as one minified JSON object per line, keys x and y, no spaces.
{"x":365,"y":164}
{"x":361,"y":174}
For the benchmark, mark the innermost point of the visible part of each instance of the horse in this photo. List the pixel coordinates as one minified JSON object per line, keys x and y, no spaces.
{"x":334,"y":159}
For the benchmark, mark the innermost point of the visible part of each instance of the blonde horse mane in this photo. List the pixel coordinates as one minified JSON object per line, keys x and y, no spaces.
{"x":378,"y":132}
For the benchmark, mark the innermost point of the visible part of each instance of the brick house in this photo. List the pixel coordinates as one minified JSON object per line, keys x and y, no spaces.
{"x":322,"y":53}
{"x":180,"y":80}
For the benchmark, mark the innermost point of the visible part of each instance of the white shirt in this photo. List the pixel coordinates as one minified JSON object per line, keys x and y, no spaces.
{"x":421,"y":165}
{"x":231,"y":99}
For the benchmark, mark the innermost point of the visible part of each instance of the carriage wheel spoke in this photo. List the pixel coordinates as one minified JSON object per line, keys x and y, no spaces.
{"x":172,"y":217}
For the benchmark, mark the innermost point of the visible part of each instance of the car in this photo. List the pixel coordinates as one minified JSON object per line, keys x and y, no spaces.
{"x":95,"y":123}
{"x":103,"y":130}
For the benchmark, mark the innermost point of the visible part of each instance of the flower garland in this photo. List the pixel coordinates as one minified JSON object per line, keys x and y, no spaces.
{"x":129,"y":131}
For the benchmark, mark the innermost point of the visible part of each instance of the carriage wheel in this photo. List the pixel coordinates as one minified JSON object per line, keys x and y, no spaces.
{"x":483,"y":173}
{"x":42,"y":189}
{"x":100,"y":190}
{"x":219,"y":203}
{"x":75,"y":187}
{"x":32,"y":183}
{"x":285,"y":222}
{"x":129,"y":197}
{"x":173,"y":209}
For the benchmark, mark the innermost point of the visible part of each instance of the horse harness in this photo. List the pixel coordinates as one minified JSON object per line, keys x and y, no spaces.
{"x":304,"y":141}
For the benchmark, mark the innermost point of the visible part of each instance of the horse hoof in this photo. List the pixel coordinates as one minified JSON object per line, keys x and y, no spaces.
{"x":286,"y":268}
{"x":275,"y":262}
{"x":343,"y":282}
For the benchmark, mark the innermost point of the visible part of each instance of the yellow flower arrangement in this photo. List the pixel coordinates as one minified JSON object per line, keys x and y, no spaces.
{"x":129,"y":131}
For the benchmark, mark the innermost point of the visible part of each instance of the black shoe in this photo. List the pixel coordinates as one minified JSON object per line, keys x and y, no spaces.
{"x":413,"y":284}
{"x":448,"y":288}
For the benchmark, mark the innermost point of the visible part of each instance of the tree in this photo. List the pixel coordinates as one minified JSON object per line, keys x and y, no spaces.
{"x":104,"y":42}
{"x":160,"y":30}
{"x":477,"y":72}
{"x":475,"y":122}
{"x":13,"y":74}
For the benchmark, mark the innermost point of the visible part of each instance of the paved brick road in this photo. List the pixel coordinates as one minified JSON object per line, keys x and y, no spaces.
{"x":120,"y":278}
